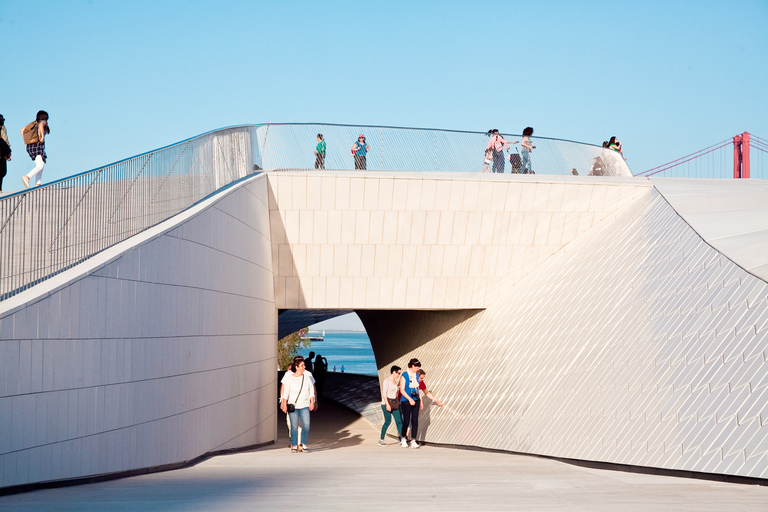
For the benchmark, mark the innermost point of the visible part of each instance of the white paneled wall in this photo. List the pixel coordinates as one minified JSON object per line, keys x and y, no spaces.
{"x":407,"y":240}
{"x":587,"y":320}
{"x":637,"y":344}
{"x":155,"y":352}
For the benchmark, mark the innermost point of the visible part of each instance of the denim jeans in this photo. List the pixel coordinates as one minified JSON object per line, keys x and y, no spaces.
{"x":526,"y":156}
{"x":498,"y":161}
{"x":299,"y":415}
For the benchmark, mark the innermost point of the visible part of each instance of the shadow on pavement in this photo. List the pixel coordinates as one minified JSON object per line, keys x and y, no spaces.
{"x":328,"y":428}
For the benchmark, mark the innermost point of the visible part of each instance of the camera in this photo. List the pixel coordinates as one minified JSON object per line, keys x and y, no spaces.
{"x":414,"y":394}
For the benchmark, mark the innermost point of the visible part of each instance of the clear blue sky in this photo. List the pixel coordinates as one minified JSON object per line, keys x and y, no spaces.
{"x":123,"y":77}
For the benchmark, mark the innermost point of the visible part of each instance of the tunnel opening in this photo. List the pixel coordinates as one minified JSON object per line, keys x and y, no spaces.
{"x":360,"y":347}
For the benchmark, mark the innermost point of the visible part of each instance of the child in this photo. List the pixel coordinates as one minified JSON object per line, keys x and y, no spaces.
{"x":488,"y":160}
{"x":526,"y":151}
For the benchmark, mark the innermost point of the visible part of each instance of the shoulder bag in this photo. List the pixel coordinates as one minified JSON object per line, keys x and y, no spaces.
{"x":292,"y":407}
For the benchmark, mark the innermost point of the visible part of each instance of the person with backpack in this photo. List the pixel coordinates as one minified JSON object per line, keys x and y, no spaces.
{"x":34,"y":137}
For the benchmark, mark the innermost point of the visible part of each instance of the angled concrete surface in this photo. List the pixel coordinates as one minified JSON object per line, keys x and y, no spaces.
{"x":347,"y":470}
{"x":730,"y":215}
{"x":620,"y":335}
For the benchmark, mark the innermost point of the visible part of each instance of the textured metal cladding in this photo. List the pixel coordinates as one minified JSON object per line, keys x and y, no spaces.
{"x":641,"y":345}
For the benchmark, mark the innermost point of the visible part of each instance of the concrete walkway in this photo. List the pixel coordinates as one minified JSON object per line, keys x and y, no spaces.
{"x":347,"y":470}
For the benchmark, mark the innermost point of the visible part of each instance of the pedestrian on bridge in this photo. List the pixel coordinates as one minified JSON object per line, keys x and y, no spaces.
{"x":5,"y":151}
{"x":34,"y":137}
{"x":526,"y":151}
{"x":320,"y":152}
{"x":497,"y":144}
{"x":359,"y":151}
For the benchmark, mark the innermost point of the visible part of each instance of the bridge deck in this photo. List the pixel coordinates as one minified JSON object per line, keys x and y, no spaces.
{"x":347,"y":470}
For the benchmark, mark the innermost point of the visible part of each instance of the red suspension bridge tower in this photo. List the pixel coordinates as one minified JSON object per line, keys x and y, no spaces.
{"x":741,"y":155}
{"x":714,"y":161}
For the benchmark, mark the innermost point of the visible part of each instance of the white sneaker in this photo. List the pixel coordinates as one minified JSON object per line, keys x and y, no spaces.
{"x":404,"y":443}
{"x":414,"y":444}
{"x":25,"y":181}
{"x":382,"y":442}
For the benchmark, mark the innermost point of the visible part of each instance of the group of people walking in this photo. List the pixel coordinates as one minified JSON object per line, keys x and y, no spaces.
{"x":300,"y":388}
{"x":33,"y":135}
{"x":401,"y":400}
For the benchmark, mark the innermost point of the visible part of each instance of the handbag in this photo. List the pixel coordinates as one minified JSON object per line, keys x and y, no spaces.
{"x":292,"y":407}
{"x":394,"y":403}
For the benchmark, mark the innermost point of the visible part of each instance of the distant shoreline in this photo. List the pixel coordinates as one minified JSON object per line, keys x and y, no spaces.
{"x":339,"y":330}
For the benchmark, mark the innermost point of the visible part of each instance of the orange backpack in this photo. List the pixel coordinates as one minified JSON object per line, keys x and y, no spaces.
{"x":30,"y":133}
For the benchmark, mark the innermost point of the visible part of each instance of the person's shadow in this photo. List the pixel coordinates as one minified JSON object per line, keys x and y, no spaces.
{"x":328,"y":428}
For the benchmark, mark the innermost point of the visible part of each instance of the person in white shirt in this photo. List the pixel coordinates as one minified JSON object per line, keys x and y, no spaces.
{"x":298,"y":390}
{"x":311,"y":377}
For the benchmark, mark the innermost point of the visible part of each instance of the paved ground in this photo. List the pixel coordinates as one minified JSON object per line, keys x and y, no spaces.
{"x":347,"y":470}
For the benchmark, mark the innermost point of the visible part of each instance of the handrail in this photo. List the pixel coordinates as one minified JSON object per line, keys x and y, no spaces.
{"x":291,"y":145}
{"x":50,"y":228}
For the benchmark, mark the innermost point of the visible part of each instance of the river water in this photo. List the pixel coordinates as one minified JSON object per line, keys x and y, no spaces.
{"x":350,"y":349}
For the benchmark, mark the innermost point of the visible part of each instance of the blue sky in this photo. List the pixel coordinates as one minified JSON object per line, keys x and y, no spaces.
{"x":123,"y":77}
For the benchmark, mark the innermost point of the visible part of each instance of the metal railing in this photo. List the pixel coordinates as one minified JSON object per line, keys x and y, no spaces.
{"x":50,"y":228}
{"x":291,"y":146}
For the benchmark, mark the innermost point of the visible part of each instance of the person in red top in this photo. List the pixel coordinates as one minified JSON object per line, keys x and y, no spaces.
{"x":423,"y":387}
